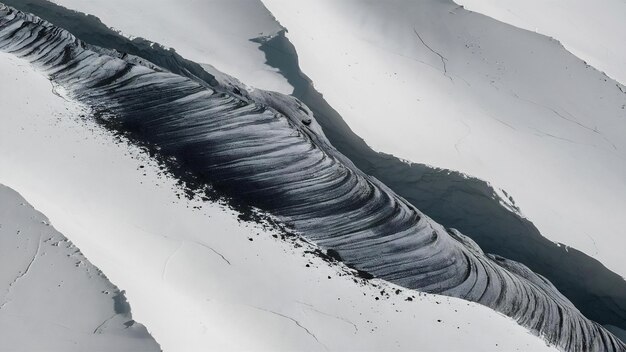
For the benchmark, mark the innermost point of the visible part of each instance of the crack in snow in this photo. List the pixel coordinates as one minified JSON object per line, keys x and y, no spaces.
{"x":443,"y":59}
{"x":214,"y":251}
{"x":571,"y":120}
{"x":97,"y":329}
{"x":169,"y":258}
{"x":21,"y":274}
{"x":294,"y":321}
{"x":199,"y":244}
{"x":500,"y":121}
{"x":546,"y":134}
{"x":356,"y":328}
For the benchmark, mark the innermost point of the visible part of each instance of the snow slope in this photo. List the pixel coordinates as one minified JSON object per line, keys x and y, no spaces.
{"x":241,"y":147}
{"x":484,"y":219}
{"x":592,"y":30}
{"x":430,"y":82}
{"x":214,"y":32}
{"x":43,"y":277}
{"x":503,"y":119}
{"x":196,"y":276}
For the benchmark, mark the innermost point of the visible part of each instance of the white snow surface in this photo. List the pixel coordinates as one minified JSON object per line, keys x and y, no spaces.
{"x":194,"y":275}
{"x":215,"y":32}
{"x":432,"y":83}
{"x":43,"y":276}
{"x":595,"y":31}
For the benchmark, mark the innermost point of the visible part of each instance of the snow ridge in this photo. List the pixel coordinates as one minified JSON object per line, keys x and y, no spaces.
{"x":278,"y":159}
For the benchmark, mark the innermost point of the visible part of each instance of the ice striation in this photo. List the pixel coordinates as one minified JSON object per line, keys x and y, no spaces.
{"x":267,"y":150}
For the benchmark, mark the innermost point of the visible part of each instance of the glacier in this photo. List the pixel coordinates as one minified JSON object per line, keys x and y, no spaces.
{"x":224,"y":137}
{"x":511,"y":107}
{"x":196,"y":275}
{"x":572,"y":258}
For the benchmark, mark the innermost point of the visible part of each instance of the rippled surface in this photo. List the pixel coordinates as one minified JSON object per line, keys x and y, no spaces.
{"x":282,"y":163}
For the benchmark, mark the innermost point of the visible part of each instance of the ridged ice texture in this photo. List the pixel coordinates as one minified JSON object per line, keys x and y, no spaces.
{"x":282,"y":163}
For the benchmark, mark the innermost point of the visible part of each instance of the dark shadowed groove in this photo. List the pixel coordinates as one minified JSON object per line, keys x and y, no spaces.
{"x":465,"y":203}
{"x":450,"y":198}
{"x":159,"y":107}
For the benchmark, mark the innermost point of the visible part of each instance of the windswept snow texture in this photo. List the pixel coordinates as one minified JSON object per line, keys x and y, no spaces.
{"x":489,"y":216}
{"x":467,"y":204}
{"x":51,"y":297}
{"x":461,"y":91}
{"x":282,"y":163}
{"x":196,"y":275}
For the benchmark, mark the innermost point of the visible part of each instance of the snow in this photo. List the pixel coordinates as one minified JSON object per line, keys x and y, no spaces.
{"x":493,"y":114}
{"x":42,"y":277}
{"x":194,"y":275}
{"x":591,"y":30}
{"x":215,"y":32}
{"x":432,"y":83}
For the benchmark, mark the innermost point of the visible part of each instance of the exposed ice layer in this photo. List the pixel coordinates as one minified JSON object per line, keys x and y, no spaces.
{"x":511,"y":107}
{"x":282,"y":163}
{"x":114,"y":202}
{"x":51,"y":297}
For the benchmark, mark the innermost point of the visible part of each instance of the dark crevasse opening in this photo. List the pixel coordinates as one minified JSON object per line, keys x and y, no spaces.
{"x":467,"y":204}
{"x":450,"y":198}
